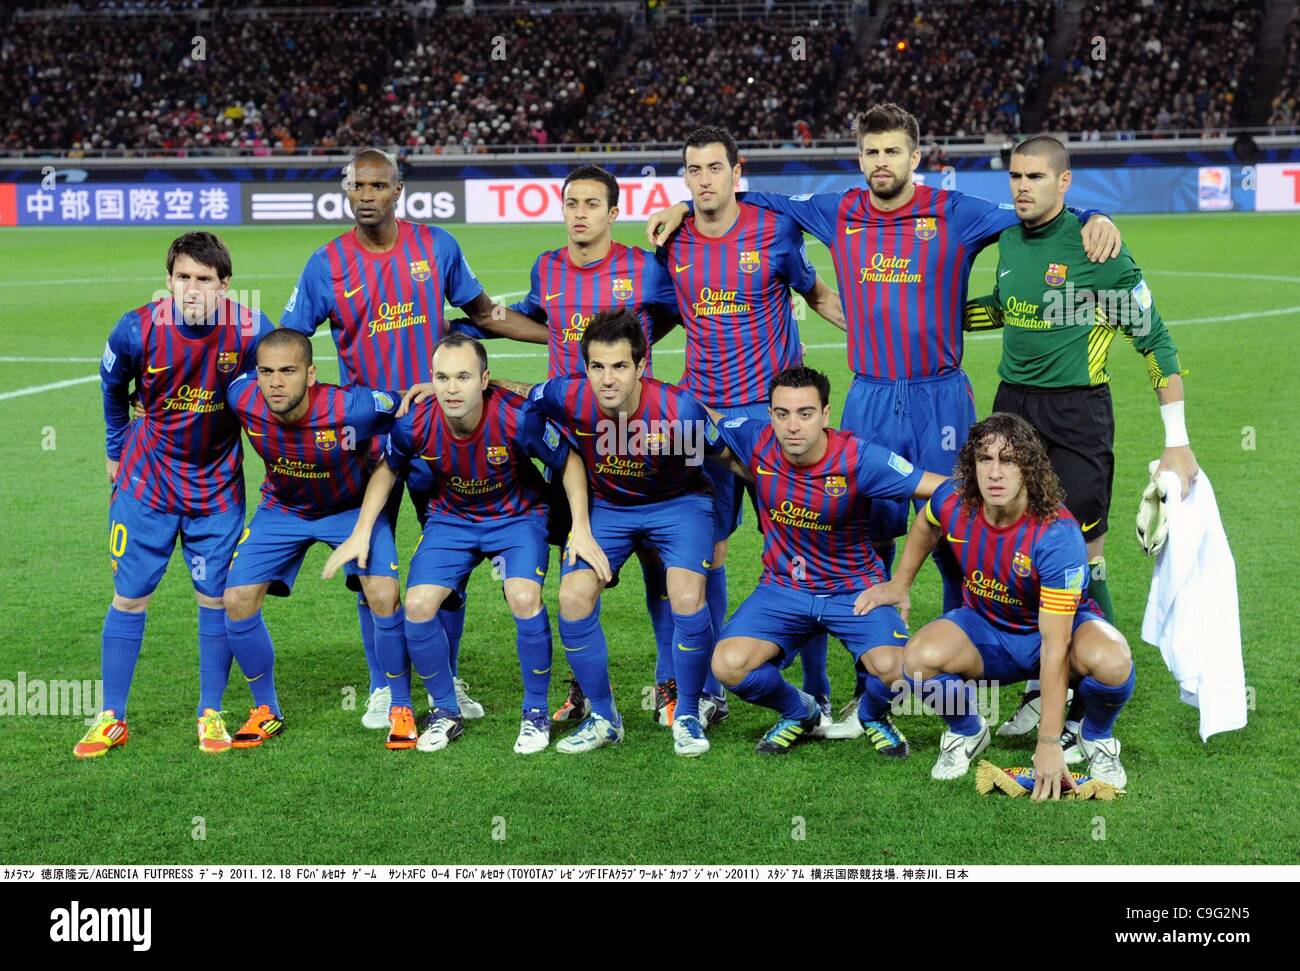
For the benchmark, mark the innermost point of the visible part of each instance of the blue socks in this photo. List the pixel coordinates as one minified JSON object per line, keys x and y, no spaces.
{"x":214,"y":658}
{"x":952,"y":697}
{"x":661,"y":618}
{"x":816,"y":679}
{"x":453,"y":625}
{"x":367,"y":623}
{"x":121,"y":640}
{"x":250,"y":642}
{"x":426,"y":643}
{"x":1102,"y":704}
{"x":588,"y":654}
{"x":533,"y":641}
{"x":390,"y":647}
{"x":765,"y":686}
{"x":875,"y":701}
{"x":693,"y":637}
{"x":715,"y":593}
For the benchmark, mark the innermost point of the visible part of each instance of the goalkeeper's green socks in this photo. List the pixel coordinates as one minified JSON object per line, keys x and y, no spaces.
{"x":1097,"y":588}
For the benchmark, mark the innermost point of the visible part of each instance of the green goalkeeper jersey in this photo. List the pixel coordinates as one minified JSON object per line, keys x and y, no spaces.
{"x":1060,"y":313}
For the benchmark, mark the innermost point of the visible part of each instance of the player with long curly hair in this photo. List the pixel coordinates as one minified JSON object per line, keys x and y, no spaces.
{"x":1025,"y":608}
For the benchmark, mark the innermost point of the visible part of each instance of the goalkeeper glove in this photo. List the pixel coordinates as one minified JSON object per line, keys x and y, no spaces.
{"x":1152,"y":522}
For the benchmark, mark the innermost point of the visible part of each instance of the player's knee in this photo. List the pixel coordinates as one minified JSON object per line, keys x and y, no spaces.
{"x":524,"y":600}
{"x":924,"y":656}
{"x":885,"y":662}
{"x":131,"y":605}
{"x":241,"y":602}
{"x":686,"y":601}
{"x":576,"y":600}
{"x":383,"y":599}
{"x":421,"y":604}
{"x":731,"y":661}
{"x":1113,"y":663}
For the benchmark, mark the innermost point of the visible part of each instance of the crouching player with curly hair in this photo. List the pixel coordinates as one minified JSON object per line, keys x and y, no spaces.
{"x":1025,"y":611}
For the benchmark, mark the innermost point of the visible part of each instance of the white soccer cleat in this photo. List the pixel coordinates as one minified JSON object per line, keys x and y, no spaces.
{"x":376,"y":716}
{"x":469,"y":708}
{"x":1026,"y":717}
{"x":442,"y":731}
{"x":534,"y":733}
{"x":1103,"y":761}
{"x":594,"y":732}
{"x":688,"y":736}
{"x":849,"y":724}
{"x":1070,"y":744}
{"x":957,"y":751}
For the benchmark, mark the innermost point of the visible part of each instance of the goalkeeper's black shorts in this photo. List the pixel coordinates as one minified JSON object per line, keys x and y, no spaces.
{"x":1077,"y":425}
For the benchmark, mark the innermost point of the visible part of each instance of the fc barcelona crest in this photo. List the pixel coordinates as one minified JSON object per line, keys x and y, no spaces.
{"x":420,"y":270}
{"x":497,"y":454}
{"x":749,"y":260}
{"x":836,"y":485}
{"x":622,"y":288}
{"x":1020,"y":564}
{"x":927,"y":227}
{"x":227,"y":361}
{"x":326,"y":439}
{"x":1055,"y":274}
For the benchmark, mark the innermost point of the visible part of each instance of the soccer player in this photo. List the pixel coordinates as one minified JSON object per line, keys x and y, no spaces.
{"x":567,"y":287}
{"x":488,"y":502}
{"x":1025,"y":612}
{"x":176,"y":471}
{"x":733,"y":266}
{"x":643,"y":443}
{"x":314,"y":439}
{"x":382,"y":286}
{"x":902,"y":254}
{"x":815,"y":487}
{"x":1060,"y":315}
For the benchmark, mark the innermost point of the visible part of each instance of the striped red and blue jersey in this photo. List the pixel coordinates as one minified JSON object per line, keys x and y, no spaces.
{"x":318,"y":465}
{"x":814,"y":518}
{"x":902,"y":274}
{"x":565,"y":296}
{"x":184,"y":456}
{"x":488,"y":475}
{"x":1012,"y":572}
{"x":733,"y":292}
{"x":654,"y":454}
{"x":386,"y":310}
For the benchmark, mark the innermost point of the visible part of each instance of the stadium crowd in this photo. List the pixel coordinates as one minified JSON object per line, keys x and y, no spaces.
{"x":1285,"y":108}
{"x":1172,"y":65}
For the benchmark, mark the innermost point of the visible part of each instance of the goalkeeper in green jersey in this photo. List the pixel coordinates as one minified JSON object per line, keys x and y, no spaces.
{"x":1060,"y":314}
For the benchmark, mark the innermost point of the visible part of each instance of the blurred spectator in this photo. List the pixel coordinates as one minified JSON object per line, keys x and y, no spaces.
{"x":1285,"y":108}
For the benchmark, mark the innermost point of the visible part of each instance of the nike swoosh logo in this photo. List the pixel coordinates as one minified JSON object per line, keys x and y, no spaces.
{"x":349,"y":294}
{"x":251,"y":680}
{"x":683,"y":647}
{"x":575,"y":650}
{"x":257,"y":434}
{"x":1088,"y":526}
{"x":431,"y":458}
{"x":540,"y":572}
{"x":901,"y":637}
{"x":954,"y":539}
{"x":159,"y":370}
{"x":853,"y":229}
{"x":586,"y":434}
{"x":1003,"y":273}
{"x":392,"y":566}
{"x":547,"y":671}
{"x":686,"y":267}
{"x":763,"y":471}
{"x":552,"y":296}
{"x":706,"y":566}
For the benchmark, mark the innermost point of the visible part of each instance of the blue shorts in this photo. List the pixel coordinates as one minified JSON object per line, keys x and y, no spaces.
{"x":141,"y":540}
{"x":450,"y":549}
{"x":787,"y":617}
{"x":728,"y":488}
{"x":276,"y":542}
{"x":680,"y":530}
{"x":1008,"y":657}
{"x":925,"y":420}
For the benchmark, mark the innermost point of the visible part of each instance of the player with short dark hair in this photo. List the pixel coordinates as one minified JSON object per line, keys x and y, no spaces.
{"x":1025,"y":612}
{"x":567,"y":287}
{"x":477,"y":443}
{"x":314,"y":440}
{"x":815,"y":486}
{"x":1060,"y":316}
{"x":177,"y":471}
{"x":382,"y":286}
{"x":643,"y":443}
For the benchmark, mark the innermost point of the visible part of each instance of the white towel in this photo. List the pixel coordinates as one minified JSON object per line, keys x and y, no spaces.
{"x":1192,"y":609}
